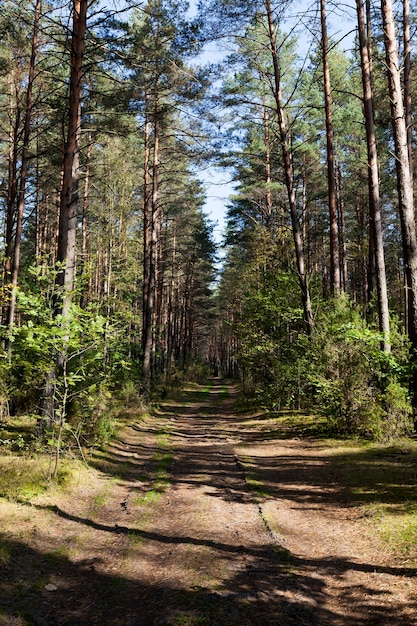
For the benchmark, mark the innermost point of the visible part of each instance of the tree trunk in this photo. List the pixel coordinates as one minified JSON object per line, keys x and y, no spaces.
{"x":405,"y":189}
{"x":331,"y":178}
{"x":150,"y":297}
{"x":407,"y":82}
{"x":23,"y":175}
{"x":14,"y":123}
{"x":67,"y":225}
{"x":288,"y":172}
{"x":373,"y":181}
{"x":146,"y":245}
{"x":267,"y":140}
{"x":66,"y":255}
{"x":86,"y":295}
{"x":342,"y":230}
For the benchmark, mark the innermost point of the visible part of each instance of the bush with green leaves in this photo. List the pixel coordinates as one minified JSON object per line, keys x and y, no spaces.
{"x":267,"y":330}
{"x":341,"y":370}
{"x":359,"y":387}
{"x":83,"y":352}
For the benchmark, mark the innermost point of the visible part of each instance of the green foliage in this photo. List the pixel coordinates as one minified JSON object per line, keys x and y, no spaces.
{"x":85,"y":349}
{"x":358,"y":386}
{"x":340,"y":371}
{"x":267,"y":327}
{"x":21,"y":477}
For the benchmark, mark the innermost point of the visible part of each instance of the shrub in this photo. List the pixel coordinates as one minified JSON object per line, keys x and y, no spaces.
{"x":359,"y":387}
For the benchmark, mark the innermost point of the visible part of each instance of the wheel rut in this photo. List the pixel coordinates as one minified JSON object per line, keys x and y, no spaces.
{"x":195,"y":518}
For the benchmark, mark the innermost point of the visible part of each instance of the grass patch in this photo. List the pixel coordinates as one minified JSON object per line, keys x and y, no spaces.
{"x":163,"y":436}
{"x":252,"y":478}
{"x":135,"y":540}
{"x":376,"y":473}
{"x":194,"y":394}
{"x":378,"y":479}
{"x":285,"y":424}
{"x":57,"y":556}
{"x":224,"y":394}
{"x":17,"y":433}
{"x":213,"y":406}
{"x":22,"y":478}
{"x":99,"y":500}
{"x":160,"y":481}
{"x":160,"y":464}
{"x":382,"y":480}
{"x":187,"y":619}
{"x":256,"y":486}
{"x":400,"y":532}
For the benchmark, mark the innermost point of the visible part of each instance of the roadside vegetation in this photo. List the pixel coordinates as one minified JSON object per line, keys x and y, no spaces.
{"x":376,"y":479}
{"x":112,"y":297}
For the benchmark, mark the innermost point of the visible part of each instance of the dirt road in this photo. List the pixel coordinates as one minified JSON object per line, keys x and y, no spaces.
{"x":198,"y":516}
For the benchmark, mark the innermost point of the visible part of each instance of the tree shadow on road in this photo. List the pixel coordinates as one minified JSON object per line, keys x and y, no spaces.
{"x":268,"y":590}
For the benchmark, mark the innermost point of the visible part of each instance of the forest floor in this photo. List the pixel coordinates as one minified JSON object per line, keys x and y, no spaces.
{"x":203,"y":515}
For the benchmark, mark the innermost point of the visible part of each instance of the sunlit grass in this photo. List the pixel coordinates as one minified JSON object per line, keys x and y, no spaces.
{"x":193,"y":394}
{"x":380,"y":480}
{"x":161,"y":462}
{"x":22,"y":477}
{"x":99,"y":500}
{"x":400,"y":531}
{"x":383,"y":481}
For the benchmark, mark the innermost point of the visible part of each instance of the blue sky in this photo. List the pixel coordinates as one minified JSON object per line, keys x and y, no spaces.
{"x":340,"y":26}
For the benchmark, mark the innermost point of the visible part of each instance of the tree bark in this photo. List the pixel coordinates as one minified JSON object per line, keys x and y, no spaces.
{"x":67,"y":224}
{"x":407,"y":82}
{"x":267,"y":141}
{"x":342,"y":229}
{"x":14,"y":124}
{"x":405,"y":189}
{"x":154,"y":227}
{"x":146,"y":322}
{"x":373,"y":181}
{"x":84,"y":219}
{"x":331,"y":178}
{"x":288,"y":173}
{"x":23,"y":174}
{"x":67,"y":228}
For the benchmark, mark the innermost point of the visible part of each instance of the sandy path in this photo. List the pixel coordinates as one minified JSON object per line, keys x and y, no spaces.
{"x":196,"y":544}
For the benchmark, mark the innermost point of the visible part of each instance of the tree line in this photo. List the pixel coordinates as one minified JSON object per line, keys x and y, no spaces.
{"x":321,"y":229}
{"x":107,"y":256}
{"x":108,"y":259}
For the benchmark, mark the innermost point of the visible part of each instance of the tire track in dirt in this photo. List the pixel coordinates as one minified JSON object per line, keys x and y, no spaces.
{"x":175,"y":531}
{"x":225,"y":564}
{"x":299,"y":557}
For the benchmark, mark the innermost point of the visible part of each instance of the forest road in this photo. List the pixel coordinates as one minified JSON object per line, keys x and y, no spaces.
{"x":202,"y":516}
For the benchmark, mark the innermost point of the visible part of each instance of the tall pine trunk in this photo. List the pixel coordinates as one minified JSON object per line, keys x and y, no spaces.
{"x":288,"y":173}
{"x":146,"y":319}
{"x":373,"y":178}
{"x":68,"y":210}
{"x":331,"y":177}
{"x":407,"y":82}
{"x":14,"y":130}
{"x":68,"y":213}
{"x":152,"y":260}
{"x":405,"y":187}
{"x":23,"y":176}
{"x":267,"y":213}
